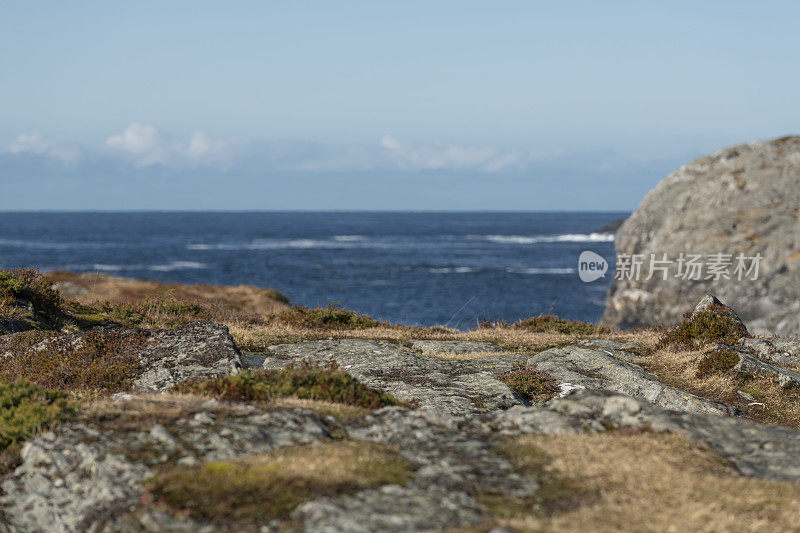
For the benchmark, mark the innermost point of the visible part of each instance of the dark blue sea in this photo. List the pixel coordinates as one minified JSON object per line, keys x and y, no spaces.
{"x":410,"y":268}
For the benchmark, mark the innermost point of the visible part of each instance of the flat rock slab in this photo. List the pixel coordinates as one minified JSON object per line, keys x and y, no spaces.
{"x":457,"y":387}
{"x":780,"y":350}
{"x":597,"y":369}
{"x":627,"y":351}
{"x":201,"y":350}
{"x":431,"y":347}
{"x":458,"y":463}
{"x":90,"y":476}
{"x":786,"y":377}
{"x":768,"y":452}
{"x":86,"y":477}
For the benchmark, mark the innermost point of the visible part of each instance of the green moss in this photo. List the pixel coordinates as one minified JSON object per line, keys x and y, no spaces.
{"x":100,"y":360}
{"x":718,"y":361}
{"x":305,"y":381}
{"x":529,"y":384}
{"x":26,"y":408}
{"x":258,"y":489}
{"x":710,"y":325}
{"x":554,"y":324}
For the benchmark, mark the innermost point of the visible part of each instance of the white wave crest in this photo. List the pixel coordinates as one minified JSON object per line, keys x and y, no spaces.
{"x":541,"y":270}
{"x":568,"y":237}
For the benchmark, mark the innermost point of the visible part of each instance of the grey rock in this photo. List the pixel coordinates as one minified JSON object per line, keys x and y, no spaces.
{"x":742,"y":199}
{"x":768,"y":452}
{"x":782,"y":351}
{"x":201,"y":350}
{"x":627,"y":351}
{"x":786,"y":377}
{"x":81,"y":477}
{"x":429,"y":347}
{"x":597,"y":369}
{"x":390,"y":508}
{"x":456,"y":464}
{"x":458,"y":387}
{"x":611,"y":227}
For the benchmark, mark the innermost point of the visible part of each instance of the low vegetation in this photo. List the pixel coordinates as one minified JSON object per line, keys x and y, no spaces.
{"x":28,"y":285}
{"x":553,"y":324}
{"x":303,"y":381}
{"x":257,"y":489}
{"x":703,"y":327}
{"x":639,"y":482}
{"x":332,"y":316}
{"x":26,"y":409}
{"x":716,"y":361}
{"x":98,"y":360}
{"x":530,"y":385}
{"x":90,"y":288}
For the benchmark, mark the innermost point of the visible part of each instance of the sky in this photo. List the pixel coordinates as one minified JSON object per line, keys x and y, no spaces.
{"x":109,"y":105}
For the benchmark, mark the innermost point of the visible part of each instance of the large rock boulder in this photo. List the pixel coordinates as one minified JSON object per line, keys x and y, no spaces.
{"x":740,"y":200}
{"x":200,"y":350}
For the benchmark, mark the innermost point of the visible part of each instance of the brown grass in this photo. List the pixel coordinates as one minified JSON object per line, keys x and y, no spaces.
{"x":143,"y":411}
{"x":689,"y":370}
{"x":255,"y":336}
{"x":641,"y":482}
{"x":91,"y":288}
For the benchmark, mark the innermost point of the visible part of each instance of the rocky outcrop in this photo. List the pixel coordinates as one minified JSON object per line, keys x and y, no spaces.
{"x":769,"y":452}
{"x":781,"y":351}
{"x":740,"y":200}
{"x":90,"y":475}
{"x":452,"y":386}
{"x":598,"y":369}
{"x":200,"y":350}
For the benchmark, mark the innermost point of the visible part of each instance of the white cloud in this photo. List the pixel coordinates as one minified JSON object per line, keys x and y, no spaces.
{"x":37,"y":144}
{"x":144,"y":145}
{"x":439,"y":156}
{"x":147,"y":146}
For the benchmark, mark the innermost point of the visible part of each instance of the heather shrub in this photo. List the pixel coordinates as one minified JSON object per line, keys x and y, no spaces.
{"x":529,"y":384}
{"x":332,"y":316}
{"x":31,"y":285}
{"x":554,"y":324}
{"x":718,"y":361}
{"x":26,"y":408}
{"x":709,"y":325}
{"x":306,"y":381}
{"x":103,"y":360}
{"x":157,"y":311}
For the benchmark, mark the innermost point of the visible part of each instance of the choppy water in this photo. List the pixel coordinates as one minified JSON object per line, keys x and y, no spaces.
{"x":413,"y":268}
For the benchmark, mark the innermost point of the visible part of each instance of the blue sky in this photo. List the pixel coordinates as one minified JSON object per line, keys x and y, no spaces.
{"x":378,"y":105}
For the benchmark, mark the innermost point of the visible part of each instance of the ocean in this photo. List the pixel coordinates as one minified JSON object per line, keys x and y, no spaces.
{"x":453,"y":268}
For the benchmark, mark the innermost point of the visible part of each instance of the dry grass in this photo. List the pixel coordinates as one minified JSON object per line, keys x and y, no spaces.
{"x":142,"y":411}
{"x":92,"y":288}
{"x":339,"y":411}
{"x":642,"y":482}
{"x":256,"y":336}
{"x":256,"y":489}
